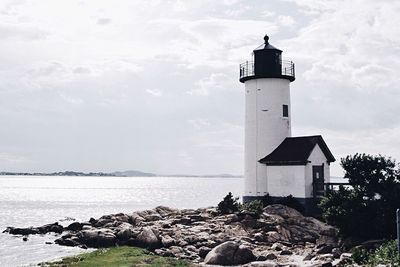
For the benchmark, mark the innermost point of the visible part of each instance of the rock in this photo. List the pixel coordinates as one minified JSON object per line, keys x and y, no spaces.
{"x":51,"y":228}
{"x":277,"y":246}
{"x":271,"y":256}
{"x":336,"y":252}
{"x":167,"y":241}
{"x":203,"y":251}
{"x":229,"y":253}
{"x":136,"y":219}
{"x":324,"y":250}
{"x":21,"y":231}
{"x":323,"y":258}
{"x":282,"y":211}
{"x":124,"y":232}
{"x":345,"y":256}
{"x":308,"y":257}
{"x":98,"y":238}
{"x":92,"y":221}
{"x":202,"y":233}
{"x":248,"y":221}
{"x":285,"y":253}
{"x":165,"y":211}
{"x":222,"y":254}
{"x":264,"y":264}
{"x":87,"y":227}
{"x":121,"y":217}
{"x":75,"y":226}
{"x":243,"y":255}
{"x":191,"y":248}
{"x":67,"y":242}
{"x":273,"y":236}
{"x":260,"y":258}
{"x":230,"y":218}
{"x":259,"y":237}
{"x":48,"y":228}
{"x":152,"y":217}
{"x":147,"y":238}
{"x":176,"y":251}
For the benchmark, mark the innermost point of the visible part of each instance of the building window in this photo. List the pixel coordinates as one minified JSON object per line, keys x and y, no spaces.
{"x":285,"y":111}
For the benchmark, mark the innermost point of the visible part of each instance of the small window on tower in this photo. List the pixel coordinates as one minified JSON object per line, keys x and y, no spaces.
{"x":285,"y":109}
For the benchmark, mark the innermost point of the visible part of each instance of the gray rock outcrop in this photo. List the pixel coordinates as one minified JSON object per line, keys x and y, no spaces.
{"x":279,"y":235}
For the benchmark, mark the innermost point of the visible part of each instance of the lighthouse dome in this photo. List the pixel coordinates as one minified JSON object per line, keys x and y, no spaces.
{"x":266,"y":45}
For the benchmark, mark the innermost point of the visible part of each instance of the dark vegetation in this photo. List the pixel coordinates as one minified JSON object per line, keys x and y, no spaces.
{"x":386,"y":255}
{"x":367,"y":209}
{"x":231,"y":204}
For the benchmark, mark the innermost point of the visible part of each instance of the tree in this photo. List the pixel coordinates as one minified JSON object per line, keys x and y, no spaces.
{"x":228,"y":205}
{"x":367,"y":209}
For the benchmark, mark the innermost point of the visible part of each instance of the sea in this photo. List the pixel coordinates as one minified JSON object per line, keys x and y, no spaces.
{"x":37,"y":200}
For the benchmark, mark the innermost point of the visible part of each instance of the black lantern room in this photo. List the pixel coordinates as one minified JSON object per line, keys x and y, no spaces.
{"x":267,"y":63}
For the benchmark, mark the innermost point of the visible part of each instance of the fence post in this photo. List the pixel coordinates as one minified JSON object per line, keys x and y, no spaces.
{"x":398,"y":229}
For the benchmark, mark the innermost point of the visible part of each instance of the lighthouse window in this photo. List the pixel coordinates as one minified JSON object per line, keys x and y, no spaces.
{"x":285,"y":111}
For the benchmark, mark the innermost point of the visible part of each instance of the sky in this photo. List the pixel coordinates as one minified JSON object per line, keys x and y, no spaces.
{"x":153,"y":85}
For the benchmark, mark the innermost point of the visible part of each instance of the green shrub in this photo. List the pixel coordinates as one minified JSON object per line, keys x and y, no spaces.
{"x":386,"y":254}
{"x":291,"y":202}
{"x":360,"y":255}
{"x":367,"y":209}
{"x":255,"y":206}
{"x":228,"y":205}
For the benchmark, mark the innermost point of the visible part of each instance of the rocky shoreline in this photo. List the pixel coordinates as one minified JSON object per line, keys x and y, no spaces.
{"x":280,"y":236}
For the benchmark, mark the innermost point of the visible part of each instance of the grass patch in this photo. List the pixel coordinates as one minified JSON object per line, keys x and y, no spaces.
{"x":118,"y":257}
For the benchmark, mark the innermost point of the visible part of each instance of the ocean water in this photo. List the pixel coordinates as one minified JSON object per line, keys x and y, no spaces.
{"x":37,"y":200}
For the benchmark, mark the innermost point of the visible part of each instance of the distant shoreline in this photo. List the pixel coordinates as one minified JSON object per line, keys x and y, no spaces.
{"x":117,"y":174}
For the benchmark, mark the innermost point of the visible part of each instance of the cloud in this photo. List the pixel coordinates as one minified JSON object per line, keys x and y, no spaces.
{"x":159,"y":82}
{"x":20,"y":32}
{"x":104,"y":21}
{"x":154,"y":92}
{"x":286,"y":21}
{"x":13,"y":159}
{"x":215,"y":82}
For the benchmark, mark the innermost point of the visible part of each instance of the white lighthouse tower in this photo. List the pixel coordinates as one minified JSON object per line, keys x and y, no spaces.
{"x":267,"y":119}
{"x":275,"y":163}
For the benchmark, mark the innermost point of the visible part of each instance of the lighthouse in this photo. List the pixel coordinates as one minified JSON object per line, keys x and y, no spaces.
{"x":275,"y":162}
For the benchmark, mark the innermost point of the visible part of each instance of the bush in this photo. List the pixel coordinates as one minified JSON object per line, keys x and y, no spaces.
{"x":386,"y":254}
{"x":228,"y":205}
{"x":359,"y":255}
{"x":255,"y":206}
{"x":291,"y":202}
{"x":368,"y":208}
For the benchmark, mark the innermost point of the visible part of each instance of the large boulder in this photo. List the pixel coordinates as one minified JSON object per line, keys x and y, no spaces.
{"x":229,"y":253}
{"x":293,"y":227}
{"x":125,"y":231}
{"x":148,"y":238}
{"x":98,"y":238}
{"x":75,"y":226}
{"x":282,"y":211}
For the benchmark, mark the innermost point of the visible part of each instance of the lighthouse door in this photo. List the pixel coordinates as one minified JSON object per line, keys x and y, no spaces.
{"x":318,"y":180}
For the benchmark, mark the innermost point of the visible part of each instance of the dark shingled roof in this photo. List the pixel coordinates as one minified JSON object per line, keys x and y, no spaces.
{"x":296,"y":151}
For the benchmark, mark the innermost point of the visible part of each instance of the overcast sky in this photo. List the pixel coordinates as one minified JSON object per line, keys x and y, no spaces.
{"x":153,"y":85}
